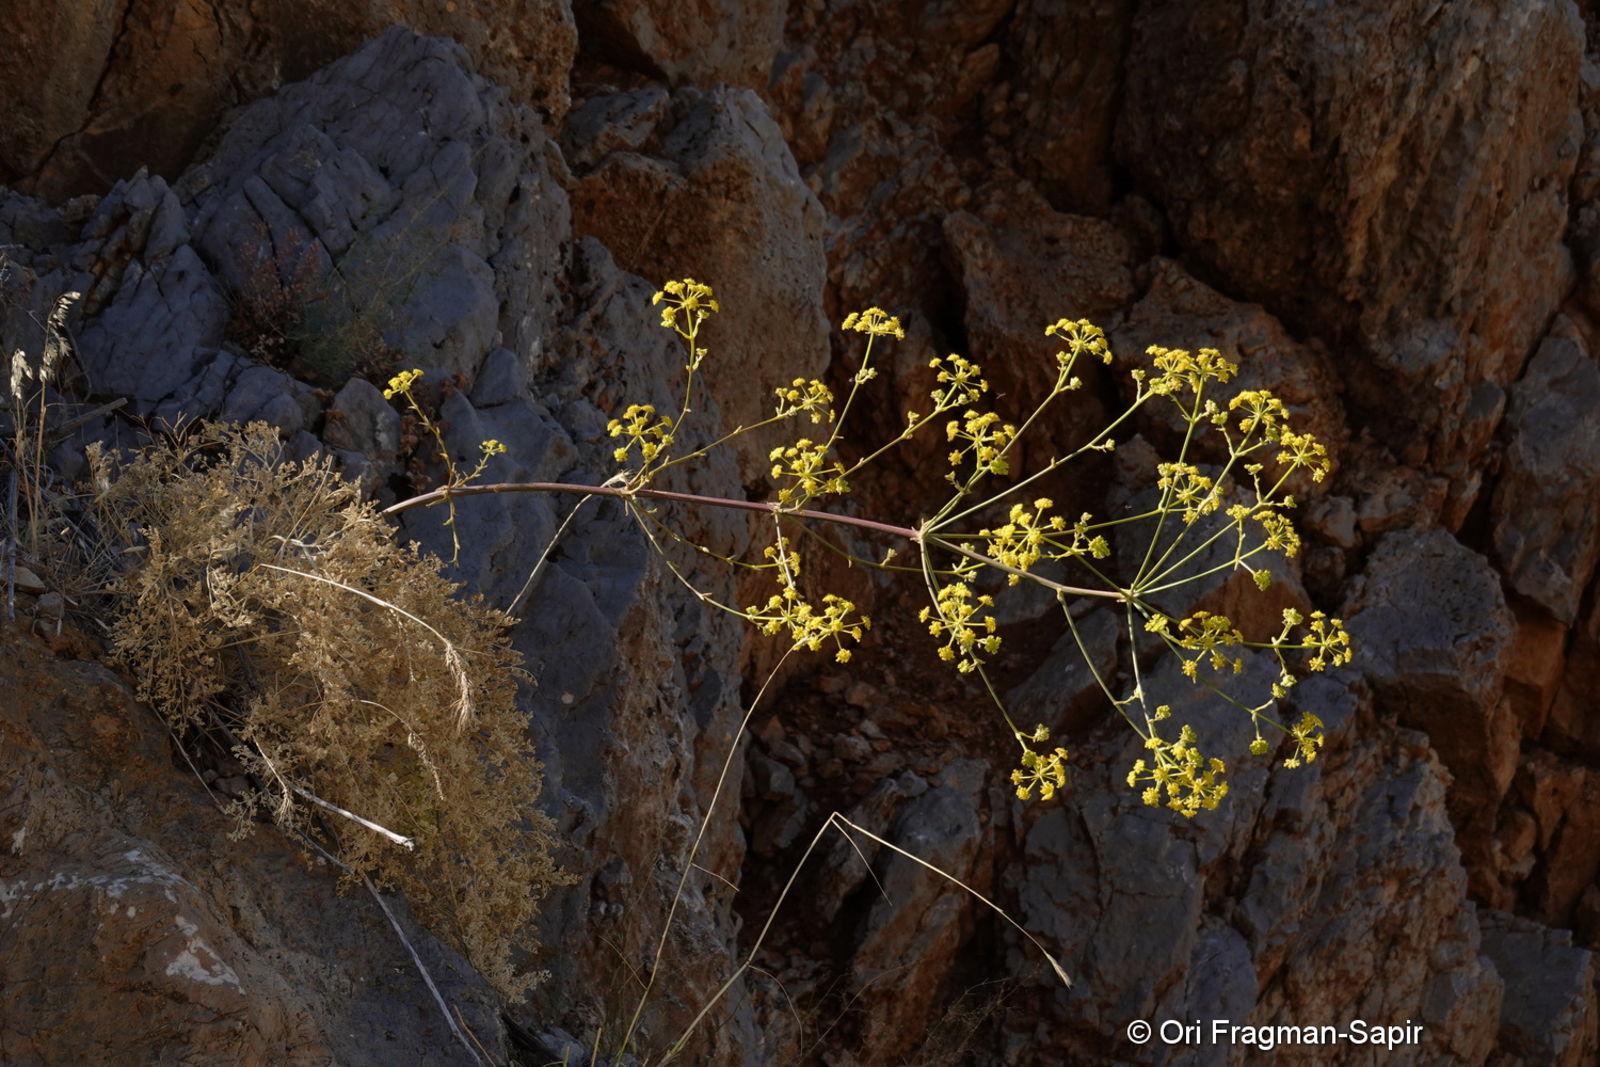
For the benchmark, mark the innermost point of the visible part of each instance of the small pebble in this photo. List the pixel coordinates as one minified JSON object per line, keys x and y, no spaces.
{"x":28,"y":582}
{"x":50,"y":606}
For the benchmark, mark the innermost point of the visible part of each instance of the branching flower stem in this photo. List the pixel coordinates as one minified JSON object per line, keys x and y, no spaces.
{"x":907,"y":533}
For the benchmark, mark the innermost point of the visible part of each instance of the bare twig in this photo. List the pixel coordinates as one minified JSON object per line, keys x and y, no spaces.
{"x":399,"y":839}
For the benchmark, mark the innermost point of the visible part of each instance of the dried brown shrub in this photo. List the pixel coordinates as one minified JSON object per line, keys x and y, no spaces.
{"x":273,"y":607}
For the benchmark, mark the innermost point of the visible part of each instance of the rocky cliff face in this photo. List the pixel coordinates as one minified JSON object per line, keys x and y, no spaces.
{"x":1389,"y":219}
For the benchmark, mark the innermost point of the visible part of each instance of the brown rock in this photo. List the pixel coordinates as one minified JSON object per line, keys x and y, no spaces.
{"x":1391,"y":498}
{"x":1063,"y":62}
{"x":1573,"y":724}
{"x":915,"y":928}
{"x":136,"y":929}
{"x":1389,"y":181}
{"x":143,"y":82}
{"x":1022,"y":266}
{"x":1535,"y":667}
{"x":1564,"y":798}
{"x":700,"y":184}
{"x":724,"y":41}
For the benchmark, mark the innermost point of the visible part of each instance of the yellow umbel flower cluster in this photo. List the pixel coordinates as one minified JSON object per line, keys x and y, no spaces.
{"x":642,"y":428}
{"x":1188,"y":490}
{"x":1264,"y":412}
{"x":986,"y":440}
{"x":808,"y":626}
{"x":806,"y":463}
{"x":960,"y":381}
{"x":688,"y":304}
{"x":1208,"y":635}
{"x":1021,"y":541}
{"x":1189,"y":781}
{"x":402,"y":386}
{"x":875,"y":322}
{"x":959,"y":618}
{"x":1046,"y":771}
{"x":401,"y":383}
{"x":1081,"y":337}
{"x":1330,"y":641}
{"x":805,"y":395}
{"x":1308,"y":737}
{"x":1181,"y":369}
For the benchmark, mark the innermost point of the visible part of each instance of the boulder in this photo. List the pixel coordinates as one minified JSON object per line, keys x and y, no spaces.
{"x":1546,"y":505}
{"x":1432,"y":632}
{"x":1546,"y":1016}
{"x":702,"y":44}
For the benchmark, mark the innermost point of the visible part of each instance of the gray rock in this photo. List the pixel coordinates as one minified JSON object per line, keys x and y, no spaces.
{"x":913,"y":929}
{"x":396,"y":204}
{"x":140,"y":215}
{"x":1432,"y":632}
{"x":618,"y":122}
{"x":501,"y":379}
{"x":772,"y":780}
{"x":152,"y":336}
{"x":263,"y":394}
{"x":27,"y":223}
{"x":51,"y":605}
{"x":1062,"y":692}
{"x":1201,"y":555}
{"x":1547,"y":505}
{"x":202,"y":396}
{"x":365,"y":429}
{"x":843,"y":865}
{"x":1548,"y":1014}
{"x":1219,"y":983}
{"x":366,"y":422}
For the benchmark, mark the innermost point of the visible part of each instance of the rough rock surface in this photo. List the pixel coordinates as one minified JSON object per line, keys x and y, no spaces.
{"x":1281,"y":141}
{"x":152,"y":78}
{"x":1547,"y":505}
{"x":1352,"y":909}
{"x":136,"y":929}
{"x":700,"y":184}
{"x":727,"y":41}
{"x":398,"y":201}
{"x":1376,"y":213}
{"x":1437,"y":634}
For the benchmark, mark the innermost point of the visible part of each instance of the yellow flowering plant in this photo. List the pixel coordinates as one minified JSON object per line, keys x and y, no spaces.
{"x":994,"y":524}
{"x":994,"y":531}
{"x":402,"y":385}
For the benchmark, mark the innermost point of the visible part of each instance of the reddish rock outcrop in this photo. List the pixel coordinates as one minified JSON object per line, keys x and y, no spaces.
{"x":151,"y":79}
{"x":135,"y":929}
{"x":1394,"y":183}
